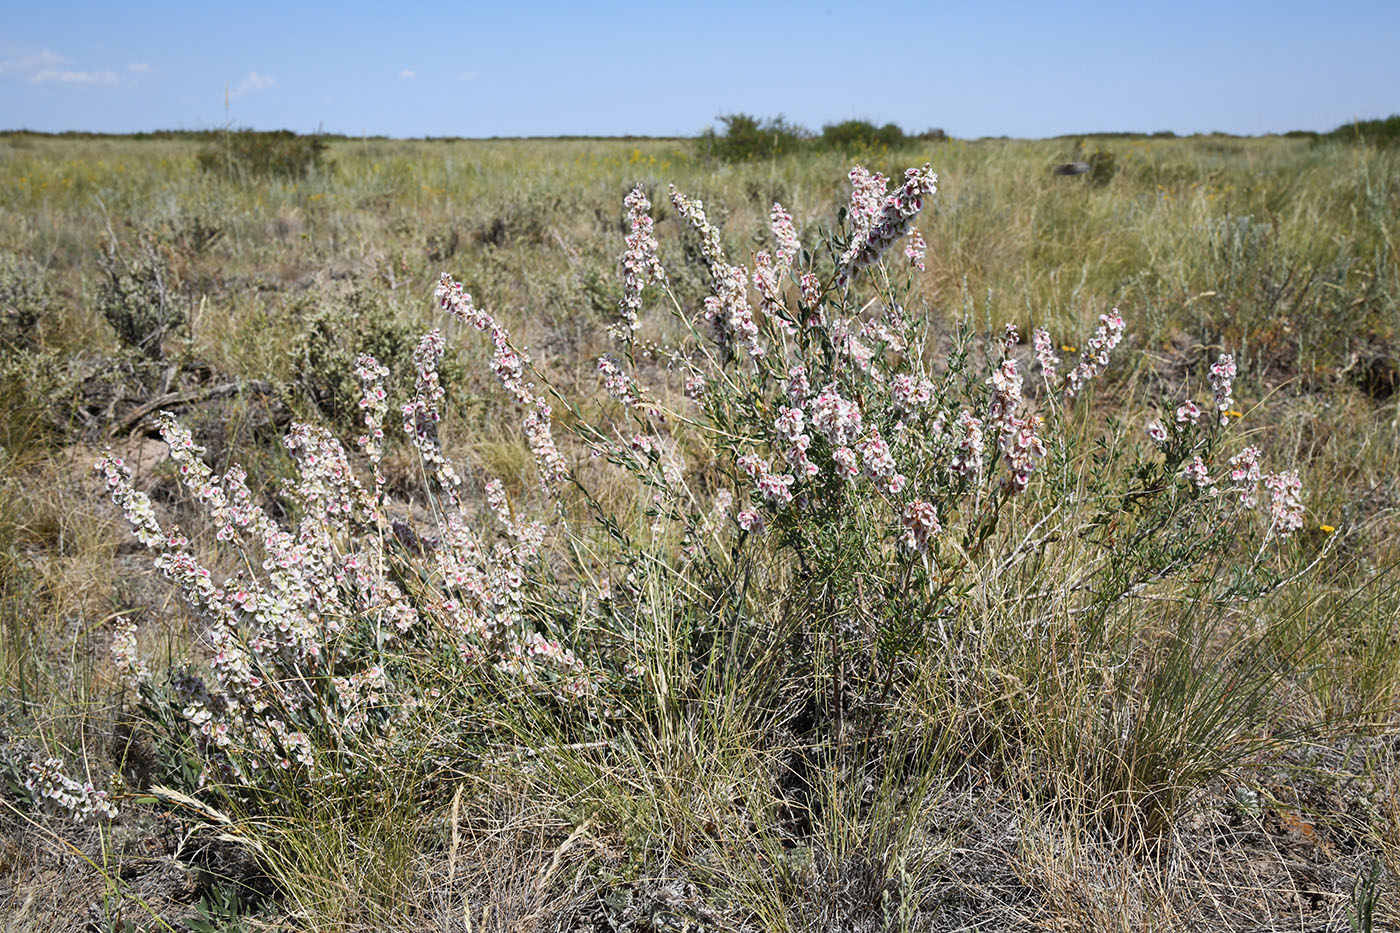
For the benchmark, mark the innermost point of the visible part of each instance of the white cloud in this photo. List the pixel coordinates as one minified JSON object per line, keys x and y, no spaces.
{"x":48,"y":67}
{"x":61,"y":76}
{"x":406,"y":74}
{"x":43,"y":59}
{"x":254,"y":82}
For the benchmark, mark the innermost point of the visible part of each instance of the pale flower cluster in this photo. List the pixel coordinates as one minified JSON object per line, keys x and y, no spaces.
{"x":921,"y":525}
{"x":275,"y":627}
{"x":915,"y":249}
{"x":126,"y":656}
{"x":1285,"y":502}
{"x":867,"y":199}
{"x":1094,"y":357}
{"x":785,"y":233}
{"x":1017,"y":436}
{"x":967,"y":458}
{"x":55,"y":792}
{"x":510,"y":365}
{"x":374,"y":402}
{"x":641,"y":265}
{"x":1045,"y":354}
{"x":895,"y":217}
{"x":1222,"y":383}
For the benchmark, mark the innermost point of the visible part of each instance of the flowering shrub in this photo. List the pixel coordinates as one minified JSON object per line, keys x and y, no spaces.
{"x":809,"y":433}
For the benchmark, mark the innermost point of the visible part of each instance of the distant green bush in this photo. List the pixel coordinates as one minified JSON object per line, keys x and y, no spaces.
{"x":859,"y":135}
{"x":252,"y":153}
{"x":1101,"y":164}
{"x":1372,"y":132}
{"x":746,"y":137}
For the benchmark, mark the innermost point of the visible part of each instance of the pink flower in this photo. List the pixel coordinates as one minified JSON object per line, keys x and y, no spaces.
{"x":798,"y":388}
{"x":750,"y":520}
{"x":867,"y":199}
{"x":1245,"y":475}
{"x":1006,"y":391}
{"x":1045,"y":353}
{"x":797,"y":455}
{"x":1285,"y":504}
{"x":909,"y":393}
{"x":1197,"y":473}
{"x":876,"y":457}
{"x":1096,"y":350}
{"x":811,"y":288}
{"x":766,"y":282}
{"x":619,"y":385}
{"x":777,"y":487}
{"x":895,"y":217}
{"x":838,"y":419}
{"x":754,"y":465}
{"x":126,"y":657}
{"x":374,"y":402}
{"x":789,"y":422}
{"x":693,"y":210}
{"x":728,"y":309}
{"x":640,"y":263}
{"x":1010,"y":337}
{"x":1222,"y":383}
{"x":920,"y":520}
{"x":967,"y":460}
{"x":1022,"y":448}
{"x":421,"y":415}
{"x":846,"y":465}
{"x":510,"y":365}
{"x":786,"y":235}
{"x":915,"y":249}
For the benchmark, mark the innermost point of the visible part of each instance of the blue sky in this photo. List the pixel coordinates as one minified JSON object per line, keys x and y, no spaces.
{"x":655,"y":68}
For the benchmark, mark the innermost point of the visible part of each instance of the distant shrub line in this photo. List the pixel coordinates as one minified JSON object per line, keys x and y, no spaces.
{"x":745,"y":137}
{"x":742,"y":136}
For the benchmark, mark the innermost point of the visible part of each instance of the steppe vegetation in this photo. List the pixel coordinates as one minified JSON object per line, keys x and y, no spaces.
{"x":1008,"y":610}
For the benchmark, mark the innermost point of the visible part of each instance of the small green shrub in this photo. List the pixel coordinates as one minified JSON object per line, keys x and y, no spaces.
{"x":1102,"y":167}
{"x":25,"y":299}
{"x":333,"y":334}
{"x":139,"y":299}
{"x":253,"y":154}
{"x":1102,"y":164}
{"x":746,"y":137}
{"x":860,"y":136}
